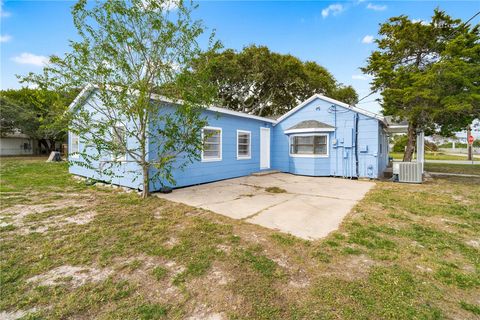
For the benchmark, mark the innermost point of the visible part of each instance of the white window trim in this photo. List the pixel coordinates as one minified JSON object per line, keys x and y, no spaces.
{"x":124,"y":158}
{"x":305,"y":130}
{"x":221,"y":147}
{"x":309,"y":155}
{"x":239,"y":157}
{"x":74,"y":154}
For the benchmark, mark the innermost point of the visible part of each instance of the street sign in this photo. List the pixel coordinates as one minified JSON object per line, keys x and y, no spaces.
{"x":470,"y":139}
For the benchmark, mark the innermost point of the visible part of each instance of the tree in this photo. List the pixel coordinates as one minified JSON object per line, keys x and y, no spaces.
{"x":36,"y":113}
{"x":128,"y":53}
{"x":427,"y":74}
{"x":258,"y":81}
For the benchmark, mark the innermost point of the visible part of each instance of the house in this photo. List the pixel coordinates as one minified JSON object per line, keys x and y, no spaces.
{"x":320,"y":137}
{"x":16,"y":144}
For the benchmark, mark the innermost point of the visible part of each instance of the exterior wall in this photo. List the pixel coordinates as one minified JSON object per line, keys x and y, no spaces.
{"x":341,"y":158}
{"x":126,"y":173}
{"x":13,"y":146}
{"x":229,"y":166}
{"x":339,"y":162}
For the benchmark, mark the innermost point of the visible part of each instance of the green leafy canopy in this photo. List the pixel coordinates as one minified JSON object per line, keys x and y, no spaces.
{"x":428,"y":73}
{"x":128,"y":54}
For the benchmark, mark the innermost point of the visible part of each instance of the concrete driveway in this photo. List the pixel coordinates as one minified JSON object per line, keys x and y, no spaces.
{"x":310,"y":207}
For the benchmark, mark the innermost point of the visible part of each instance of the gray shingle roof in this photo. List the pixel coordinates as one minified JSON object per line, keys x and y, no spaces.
{"x":311,"y":124}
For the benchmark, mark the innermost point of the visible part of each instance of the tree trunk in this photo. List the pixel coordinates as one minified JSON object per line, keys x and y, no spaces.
{"x":43,"y":142}
{"x":52,"y":145}
{"x":412,"y":138}
{"x":146,"y":187}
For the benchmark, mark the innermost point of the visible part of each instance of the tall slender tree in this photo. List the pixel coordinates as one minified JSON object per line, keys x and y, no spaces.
{"x":130,"y":52}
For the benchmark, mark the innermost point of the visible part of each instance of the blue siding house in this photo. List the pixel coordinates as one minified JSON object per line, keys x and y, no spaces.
{"x":319,"y":137}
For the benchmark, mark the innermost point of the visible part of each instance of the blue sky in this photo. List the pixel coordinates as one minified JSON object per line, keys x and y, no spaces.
{"x":338,"y":35}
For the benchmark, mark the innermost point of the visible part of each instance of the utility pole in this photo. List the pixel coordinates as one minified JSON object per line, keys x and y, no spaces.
{"x":469,"y":145}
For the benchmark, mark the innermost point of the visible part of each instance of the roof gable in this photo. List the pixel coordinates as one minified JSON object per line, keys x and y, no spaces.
{"x":333,"y":101}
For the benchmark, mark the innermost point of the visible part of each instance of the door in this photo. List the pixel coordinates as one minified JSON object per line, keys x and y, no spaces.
{"x":264,"y":148}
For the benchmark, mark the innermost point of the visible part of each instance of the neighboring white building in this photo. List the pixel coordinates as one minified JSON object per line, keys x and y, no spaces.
{"x":16,"y":144}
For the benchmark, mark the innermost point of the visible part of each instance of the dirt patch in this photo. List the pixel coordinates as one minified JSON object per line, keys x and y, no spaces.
{"x":75,"y":276}
{"x":14,"y":315}
{"x":207,"y":316}
{"x":473,"y":243}
{"x":356,"y":267}
{"x":82,"y":218}
{"x":27,"y":218}
{"x":219,"y":277}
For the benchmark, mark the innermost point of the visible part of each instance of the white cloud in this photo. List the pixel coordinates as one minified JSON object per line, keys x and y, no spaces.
{"x":361,"y":77}
{"x":425,"y":23}
{"x":30,"y":58}
{"x":368,"y":39}
{"x":3,"y":13}
{"x":5,"y":38}
{"x":333,"y":9}
{"x":375,"y":7}
{"x":168,"y":5}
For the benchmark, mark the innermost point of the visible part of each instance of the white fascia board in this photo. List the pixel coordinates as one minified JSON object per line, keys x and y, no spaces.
{"x":77,"y":99}
{"x":240,"y":114}
{"x":331,"y":100}
{"x":217,"y":109}
{"x":165,"y":99}
{"x":307,"y":130}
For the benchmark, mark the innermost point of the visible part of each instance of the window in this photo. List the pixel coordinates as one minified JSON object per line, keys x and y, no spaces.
{"x":212,"y":144}
{"x":74,"y":147}
{"x":243,"y":144}
{"x":309,"y":145}
{"x":119,"y":140}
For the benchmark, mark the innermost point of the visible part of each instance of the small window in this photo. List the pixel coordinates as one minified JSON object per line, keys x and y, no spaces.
{"x":212,"y":144}
{"x":309,"y":145}
{"x":74,"y":148}
{"x":243,"y":144}
{"x":119,"y":139}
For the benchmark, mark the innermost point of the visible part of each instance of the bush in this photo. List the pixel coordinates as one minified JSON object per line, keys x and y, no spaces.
{"x":400,"y":142}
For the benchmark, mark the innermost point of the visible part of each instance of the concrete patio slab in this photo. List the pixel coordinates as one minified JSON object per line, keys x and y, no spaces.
{"x":310,"y":207}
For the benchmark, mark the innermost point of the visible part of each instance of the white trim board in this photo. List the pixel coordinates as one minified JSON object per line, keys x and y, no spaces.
{"x":220,"y":145}
{"x":239,"y":157}
{"x":306,"y":130}
{"x":88,"y":88}
{"x":249,"y":116}
{"x":330,"y":100}
{"x":295,"y":155}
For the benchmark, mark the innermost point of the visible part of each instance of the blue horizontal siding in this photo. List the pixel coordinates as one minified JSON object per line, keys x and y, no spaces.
{"x":340,"y":162}
{"x":341,"y":159}
{"x":229,"y":167}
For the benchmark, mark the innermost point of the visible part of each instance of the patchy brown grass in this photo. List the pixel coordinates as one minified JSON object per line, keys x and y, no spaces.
{"x":405,"y":251}
{"x":275,"y":190}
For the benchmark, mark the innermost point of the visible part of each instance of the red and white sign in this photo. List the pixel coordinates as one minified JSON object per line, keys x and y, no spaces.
{"x":470,"y":139}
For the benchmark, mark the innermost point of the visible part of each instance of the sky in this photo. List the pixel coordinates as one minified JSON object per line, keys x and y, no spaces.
{"x":338,"y":35}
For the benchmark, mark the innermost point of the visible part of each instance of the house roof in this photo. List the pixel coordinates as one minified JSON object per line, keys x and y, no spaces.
{"x":330,"y":100}
{"x":396,"y":126}
{"x":157,"y":97}
{"x":311,"y":124}
{"x":89,"y":88}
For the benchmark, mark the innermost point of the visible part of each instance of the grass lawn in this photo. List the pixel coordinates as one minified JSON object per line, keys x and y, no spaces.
{"x":453,"y":168}
{"x":74,"y":251}
{"x":434,"y":156}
